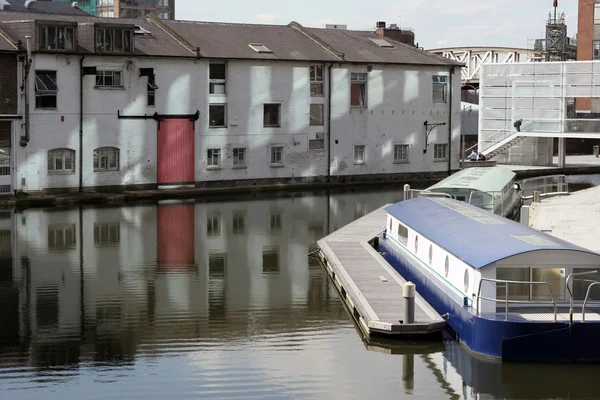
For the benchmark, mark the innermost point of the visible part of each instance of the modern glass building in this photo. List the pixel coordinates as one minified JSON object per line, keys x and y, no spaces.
{"x":163,"y":9}
{"x":89,"y":6}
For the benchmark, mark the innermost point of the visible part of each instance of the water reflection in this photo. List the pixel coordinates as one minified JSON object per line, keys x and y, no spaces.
{"x":210,"y":300}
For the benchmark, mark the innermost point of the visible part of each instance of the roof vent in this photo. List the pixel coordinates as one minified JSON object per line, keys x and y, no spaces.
{"x":75,"y":4}
{"x":28,"y":3}
{"x":139,"y":31}
{"x":3,"y":3}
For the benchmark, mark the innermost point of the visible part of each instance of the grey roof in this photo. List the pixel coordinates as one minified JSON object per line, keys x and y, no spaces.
{"x":484,"y":179}
{"x":227,"y":40}
{"x":7,"y":42}
{"x":357,"y":46}
{"x":48,"y":7}
{"x":158,"y":43}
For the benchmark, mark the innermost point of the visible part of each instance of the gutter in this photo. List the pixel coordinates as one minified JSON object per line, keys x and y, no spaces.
{"x":451,"y":94}
{"x":81,"y":123}
{"x":329,"y":86}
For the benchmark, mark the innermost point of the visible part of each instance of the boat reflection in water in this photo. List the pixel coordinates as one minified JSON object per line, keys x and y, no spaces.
{"x":206,"y":300}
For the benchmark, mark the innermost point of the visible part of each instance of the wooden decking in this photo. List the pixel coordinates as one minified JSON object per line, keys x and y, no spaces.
{"x":371,"y":288}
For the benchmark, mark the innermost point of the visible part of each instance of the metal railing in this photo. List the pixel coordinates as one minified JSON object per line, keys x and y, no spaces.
{"x":548,"y":186}
{"x":498,"y":136}
{"x":410,"y":194}
{"x":571,"y":293}
{"x":506,"y":301}
{"x":587,"y":295}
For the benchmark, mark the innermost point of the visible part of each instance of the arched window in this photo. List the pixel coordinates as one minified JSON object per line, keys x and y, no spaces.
{"x":61,"y":161}
{"x":106,"y":159}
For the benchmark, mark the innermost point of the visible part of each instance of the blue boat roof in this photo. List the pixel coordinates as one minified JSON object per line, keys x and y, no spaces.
{"x":476,"y":236}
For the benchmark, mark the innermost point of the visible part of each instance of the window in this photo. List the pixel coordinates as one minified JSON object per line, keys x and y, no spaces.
{"x":359,"y":154}
{"x":271,"y":115}
{"x":466,"y":280}
{"x":430,"y":254}
{"x":109,"y":79}
{"x":316,"y":114}
{"x":439,"y":88}
{"x":56,"y":38}
{"x":440,"y":151}
{"x":316,"y":80}
{"x":61,"y":237}
{"x":277,"y":155}
{"x":275,"y":222}
{"x":61,"y":160}
{"x":391,"y":225}
{"x":402,"y":234}
{"x":106,"y":159}
{"x":358,"y":90}
{"x":114,"y":40}
{"x":217,"y":116}
{"x":239,"y":223}
{"x":151,"y":88}
{"x":259,"y":48}
{"x":213,"y":158}
{"x":416,"y":244}
{"x":217,"y":264}
{"x":597,"y":13}
{"x":446,"y":267}
{"x":239,"y":157}
{"x":213,"y":225}
{"x":596,"y":51}
{"x":316,"y":144}
{"x":107,"y":234}
{"x":46,"y":89}
{"x":217,"y":78}
{"x":400,"y":153}
{"x":270,"y":260}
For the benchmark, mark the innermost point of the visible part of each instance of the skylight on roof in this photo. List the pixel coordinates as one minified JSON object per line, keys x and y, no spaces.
{"x":259,"y":48}
{"x":139,"y":31}
{"x":535,"y":240}
{"x":382,"y":43}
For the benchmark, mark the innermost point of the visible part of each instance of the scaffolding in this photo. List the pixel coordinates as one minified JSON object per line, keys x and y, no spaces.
{"x":556,"y":46}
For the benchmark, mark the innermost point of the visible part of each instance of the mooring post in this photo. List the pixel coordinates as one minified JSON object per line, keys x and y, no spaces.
{"x":537,"y":195}
{"x":408,"y":372}
{"x":406,"y":192}
{"x":409,"y":291}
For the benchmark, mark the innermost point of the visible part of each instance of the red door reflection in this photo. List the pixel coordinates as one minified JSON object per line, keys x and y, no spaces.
{"x":175,"y":247}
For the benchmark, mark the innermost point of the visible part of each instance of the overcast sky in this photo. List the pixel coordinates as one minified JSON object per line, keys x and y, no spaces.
{"x":437,"y":23}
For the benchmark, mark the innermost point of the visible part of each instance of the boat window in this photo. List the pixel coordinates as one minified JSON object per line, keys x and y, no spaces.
{"x":581,"y":284}
{"x":391,"y":225}
{"x":461,"y":198}
{"x":447,"y":267}
{"x":554,"y":277}
{"x":516,"y":292}
{"x":430,"y":254}
{"x":466,"y":279}
{"x":402,"y":234}
{"x":416,"y":244}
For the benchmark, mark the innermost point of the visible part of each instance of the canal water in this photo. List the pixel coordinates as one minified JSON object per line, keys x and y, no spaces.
{"x":216,"y":300}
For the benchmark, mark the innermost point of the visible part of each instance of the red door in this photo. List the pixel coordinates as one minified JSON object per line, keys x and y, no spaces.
{"x":175,"y":152}
{"x":175,"y":236}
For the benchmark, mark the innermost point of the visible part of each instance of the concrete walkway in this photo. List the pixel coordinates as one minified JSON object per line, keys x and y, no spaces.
{"x":574,"y":165}
{"x":574,"y":218}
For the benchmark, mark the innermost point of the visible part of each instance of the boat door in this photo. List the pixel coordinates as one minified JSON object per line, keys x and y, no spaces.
{"x":5,"y":157}
{"x":176,"y":149}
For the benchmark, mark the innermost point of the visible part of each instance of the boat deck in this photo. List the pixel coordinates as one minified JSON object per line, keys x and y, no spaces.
{"x":574,"y":218}
{"x":371,"y":288}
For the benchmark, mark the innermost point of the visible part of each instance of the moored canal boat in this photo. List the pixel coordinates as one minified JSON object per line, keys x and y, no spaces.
{"x":507,"y":291}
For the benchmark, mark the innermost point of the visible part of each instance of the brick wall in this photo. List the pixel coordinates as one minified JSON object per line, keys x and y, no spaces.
{"x":402,"y":36}
{"x":585,"y":37}
{"x":8,"y":84}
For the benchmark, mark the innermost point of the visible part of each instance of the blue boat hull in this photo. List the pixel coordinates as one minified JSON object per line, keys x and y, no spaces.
{"x":490,"y":335}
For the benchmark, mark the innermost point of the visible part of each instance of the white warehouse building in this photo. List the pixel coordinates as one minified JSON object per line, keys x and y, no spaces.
{"x":107,"y":104}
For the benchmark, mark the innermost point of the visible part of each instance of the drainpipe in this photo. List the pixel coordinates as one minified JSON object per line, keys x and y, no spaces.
{"x":329,"y":122}
{"x":25,"y":88}
{"x":450,"y":121}
{"x":81,"y":124}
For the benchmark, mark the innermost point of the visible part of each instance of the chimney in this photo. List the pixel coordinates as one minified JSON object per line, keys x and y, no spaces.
{"x":402,"y":35}
{"x":75,"y":4}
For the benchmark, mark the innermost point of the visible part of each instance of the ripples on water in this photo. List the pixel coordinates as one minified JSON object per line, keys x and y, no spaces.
{"x":215,"y":300}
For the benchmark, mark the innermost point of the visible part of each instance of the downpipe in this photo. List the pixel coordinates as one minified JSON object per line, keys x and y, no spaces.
{"x":450,"y":121}
{"x":81,"y":123}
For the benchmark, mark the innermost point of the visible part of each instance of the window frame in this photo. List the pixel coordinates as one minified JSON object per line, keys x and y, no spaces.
{"x":39,"y":94}
{"x":273,"y":151}
{"x":316,"y":81}
{"x":439,"y":82}
{"x":52,"y":155}
{"x":125,"y":32}
{"x":111,"y":154}
{"x":46,"y":27}
{"x":355,"y":80}
{"x":357,"y":149}
{"x":596,"y":49}
{"x":235,"y":157}
{"x":220,"y":105}
{"x":438,"y":146}
{"x":320,"y":122}
{"x":278,"y":106}
{"x":210,"y":158}
{"x":214,"y":81}
{"x":398,"y":160}
{"x":104,"y":76}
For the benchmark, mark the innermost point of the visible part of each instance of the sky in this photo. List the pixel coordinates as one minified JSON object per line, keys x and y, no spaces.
{"x":437,"y":23}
